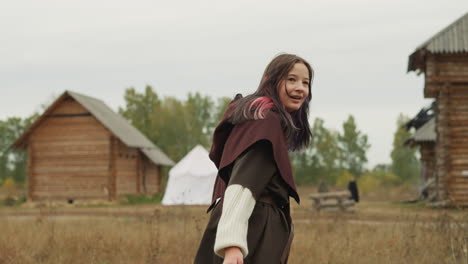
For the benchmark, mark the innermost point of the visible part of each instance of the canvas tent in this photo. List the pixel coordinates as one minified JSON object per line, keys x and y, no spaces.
{"x":191,"y":180}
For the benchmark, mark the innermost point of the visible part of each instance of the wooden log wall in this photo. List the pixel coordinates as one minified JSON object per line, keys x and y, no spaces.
{"x":152,"y":177}
{"x":457,"y":182}
{"x":112,"y":173}
{"x":443,"y":138}
{"x":69,"y":153}
{"x":447,"y":81}
{"x":428,"y":159}
{"x":427,"y":150}
{"x":127,"y":169}
{"x":29,"y":178}
{"x":442,"y":69}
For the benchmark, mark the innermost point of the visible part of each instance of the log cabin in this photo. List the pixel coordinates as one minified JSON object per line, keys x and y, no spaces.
{"x":79,"y":149}
{"x":425,"y":138}
{"x":443,"y":59}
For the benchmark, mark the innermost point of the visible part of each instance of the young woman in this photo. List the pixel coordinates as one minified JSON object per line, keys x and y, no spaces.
{"x":250,"y":220}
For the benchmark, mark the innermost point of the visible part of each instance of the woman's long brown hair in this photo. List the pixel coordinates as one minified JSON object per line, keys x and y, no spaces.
{"x":295,"y":124}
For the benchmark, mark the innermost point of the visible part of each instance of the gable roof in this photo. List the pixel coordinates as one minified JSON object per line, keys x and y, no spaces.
{"x":119,"y":126}
{"x":452,"y":39}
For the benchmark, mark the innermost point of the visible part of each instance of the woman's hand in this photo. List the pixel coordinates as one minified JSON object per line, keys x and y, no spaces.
{"x":233,"y":255}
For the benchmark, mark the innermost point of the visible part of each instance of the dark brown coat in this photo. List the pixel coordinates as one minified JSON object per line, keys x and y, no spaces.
{"x":254,"y":155}
{"x":230,"y":141}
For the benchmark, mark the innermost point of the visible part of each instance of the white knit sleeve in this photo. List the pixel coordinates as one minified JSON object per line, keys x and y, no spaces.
{"x":238,"y":205}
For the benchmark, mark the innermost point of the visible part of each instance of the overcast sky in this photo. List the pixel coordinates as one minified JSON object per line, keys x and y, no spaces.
{"x":359,"y":50}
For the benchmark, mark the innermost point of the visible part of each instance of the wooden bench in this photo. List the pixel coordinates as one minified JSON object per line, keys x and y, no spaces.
{"x":333,"y":201}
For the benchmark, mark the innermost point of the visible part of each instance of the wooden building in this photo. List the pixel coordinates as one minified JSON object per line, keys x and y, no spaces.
{"x":80,"y":149}
{"x":444,"y":61}
{"x":425,"y":138}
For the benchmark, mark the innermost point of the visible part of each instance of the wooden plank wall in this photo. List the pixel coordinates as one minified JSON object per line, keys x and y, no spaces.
{"x":126,"y":169}
{"x":112,"y":174}
{"x":447,"y":81}
{"x":152,"y":177}
{"x":69,"y":155}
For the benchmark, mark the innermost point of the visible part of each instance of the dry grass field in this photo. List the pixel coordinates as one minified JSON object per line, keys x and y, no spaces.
{"x":378,"y":231}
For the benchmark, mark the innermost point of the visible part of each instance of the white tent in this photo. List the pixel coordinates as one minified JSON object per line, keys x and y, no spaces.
{"x":191,"y":180}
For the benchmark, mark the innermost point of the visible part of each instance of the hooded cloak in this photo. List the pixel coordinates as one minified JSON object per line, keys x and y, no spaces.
{"x":252,"y":157}
{"x":229,"y":141}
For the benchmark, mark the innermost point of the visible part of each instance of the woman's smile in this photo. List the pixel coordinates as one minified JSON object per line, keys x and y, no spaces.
{"x":294,"y":90}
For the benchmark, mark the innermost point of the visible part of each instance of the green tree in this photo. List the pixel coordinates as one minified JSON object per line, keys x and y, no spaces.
{"x":173,"y":122}
{"x":221,"y":106}
{"x":140,"y":109}
{"x":320,"y":160}
{"x":405,"y":163}
{"x":306,"y":167}
{"x":382,"y":167}
{"x":200,"y":118}
{"x":383,"y":172}
{"x":13,"y":162}
{"x":354,"y":145}
{"x":4,"y":144}
{"x":326,"y":151}
{"x":175,"y":126}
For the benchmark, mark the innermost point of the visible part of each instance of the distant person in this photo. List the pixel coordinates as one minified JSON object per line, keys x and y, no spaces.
{"x":250,"y":221}
{"x":353,"y":189}
{"x":322,"y":187}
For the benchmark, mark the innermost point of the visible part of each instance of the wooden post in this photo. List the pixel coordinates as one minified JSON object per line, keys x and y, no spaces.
{"x":113,"y":150}
{"x":143,"y":172}
{"x":30,"y":181}
{"x":138,"y":169}
{"x":159,"y":179}
{"x":443,"y":137}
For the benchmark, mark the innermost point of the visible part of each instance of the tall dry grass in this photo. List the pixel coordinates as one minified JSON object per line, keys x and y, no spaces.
{"x":171,"y":235}
{"x":163,"y":237}
{"x":408,"y":240}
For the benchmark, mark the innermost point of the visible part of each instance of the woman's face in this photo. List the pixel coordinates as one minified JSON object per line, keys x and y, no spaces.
{"x":295,"y":88}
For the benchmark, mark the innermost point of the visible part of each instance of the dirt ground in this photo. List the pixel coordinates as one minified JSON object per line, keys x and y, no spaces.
{"x":372,"y":209}
{"x":382,"y":228}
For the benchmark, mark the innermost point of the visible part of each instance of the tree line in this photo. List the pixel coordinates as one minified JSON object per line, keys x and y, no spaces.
{"x":176,"y":126}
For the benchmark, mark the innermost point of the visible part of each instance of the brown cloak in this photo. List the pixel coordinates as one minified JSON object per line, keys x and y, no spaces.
{"x":229,"y":141}
{"x":270,"y":230}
